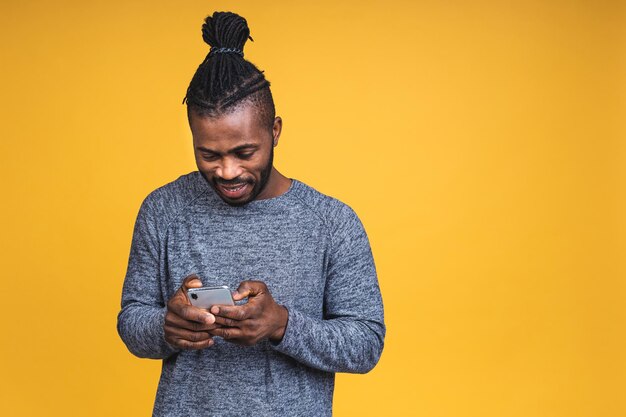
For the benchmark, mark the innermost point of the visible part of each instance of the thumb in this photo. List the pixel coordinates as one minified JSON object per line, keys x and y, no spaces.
{"x":191,"y":281}
{"x":248,"y":289}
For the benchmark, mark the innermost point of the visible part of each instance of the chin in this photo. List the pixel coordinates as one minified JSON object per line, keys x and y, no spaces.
{"x":238,"y":202}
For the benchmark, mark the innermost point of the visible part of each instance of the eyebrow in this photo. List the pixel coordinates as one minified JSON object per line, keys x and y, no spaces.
{"x":244,"y":147}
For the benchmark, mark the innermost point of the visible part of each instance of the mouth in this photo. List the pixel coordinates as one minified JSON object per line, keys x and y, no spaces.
{"x":233,"y":191}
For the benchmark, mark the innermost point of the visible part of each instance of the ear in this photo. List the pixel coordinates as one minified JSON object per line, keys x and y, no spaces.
{"x":276,"y":129}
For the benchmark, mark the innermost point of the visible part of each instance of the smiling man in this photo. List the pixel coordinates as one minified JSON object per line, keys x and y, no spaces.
{"x":308,"y":300}
{"x":235,"y":154}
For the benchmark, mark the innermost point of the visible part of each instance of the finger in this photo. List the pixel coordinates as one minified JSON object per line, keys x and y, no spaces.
{"x":191,"y":281}
{"x":177,"y":321}
{"x":249,"y":289}
{"x":191,"y":313}
{"x":188,"y":345}
{"x":179,"y":333}
{"x":223,"y":321}
{"x":237,"y":313}
{"x":227,"y":333}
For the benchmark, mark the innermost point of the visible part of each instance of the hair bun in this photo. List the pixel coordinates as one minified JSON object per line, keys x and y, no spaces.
{"x":225,"y":30}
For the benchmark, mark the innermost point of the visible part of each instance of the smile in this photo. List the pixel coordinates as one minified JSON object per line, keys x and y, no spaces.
{"x":234,"y":192}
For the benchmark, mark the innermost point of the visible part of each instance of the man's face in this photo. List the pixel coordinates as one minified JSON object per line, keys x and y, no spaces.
{"x":234,"y":152}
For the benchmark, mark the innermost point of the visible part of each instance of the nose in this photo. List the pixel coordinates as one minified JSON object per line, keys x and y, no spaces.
{"x":228,"y":169}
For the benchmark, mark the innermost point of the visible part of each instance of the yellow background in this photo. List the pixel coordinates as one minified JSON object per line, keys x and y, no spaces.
{"x":481,"y":143}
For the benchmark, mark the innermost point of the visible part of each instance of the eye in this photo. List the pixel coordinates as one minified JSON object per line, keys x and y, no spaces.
{"x":209,"y":156}
{"x":245,"y":155}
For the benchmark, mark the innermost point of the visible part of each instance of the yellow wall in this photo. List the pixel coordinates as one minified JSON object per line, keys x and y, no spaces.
{"x":481,"y":143}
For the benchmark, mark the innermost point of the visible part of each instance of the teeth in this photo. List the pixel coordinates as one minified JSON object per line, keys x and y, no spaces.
{"x":234,"y":189}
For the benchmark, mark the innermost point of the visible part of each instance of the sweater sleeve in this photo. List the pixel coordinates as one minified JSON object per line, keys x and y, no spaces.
{"x":350,"y":336}
{"x":140,"y":321}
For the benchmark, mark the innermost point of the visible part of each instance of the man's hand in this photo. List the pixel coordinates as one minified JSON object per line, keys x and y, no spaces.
{"x":258,"y":319}
{"x":187,"y":327}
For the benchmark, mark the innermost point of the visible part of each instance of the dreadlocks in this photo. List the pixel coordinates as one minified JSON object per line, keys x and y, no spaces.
{"x":225,"y":80}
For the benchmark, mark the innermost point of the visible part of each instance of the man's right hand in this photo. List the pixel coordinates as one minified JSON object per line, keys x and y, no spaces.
{"x":186,"y":327}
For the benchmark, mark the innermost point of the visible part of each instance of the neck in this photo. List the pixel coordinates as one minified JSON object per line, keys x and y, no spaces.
{"x":276,"y":185}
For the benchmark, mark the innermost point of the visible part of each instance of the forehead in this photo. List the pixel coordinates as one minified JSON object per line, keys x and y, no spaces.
{"x":239,"y":125}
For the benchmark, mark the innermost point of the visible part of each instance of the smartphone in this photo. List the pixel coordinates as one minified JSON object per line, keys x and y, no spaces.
{"x":206,"y":297}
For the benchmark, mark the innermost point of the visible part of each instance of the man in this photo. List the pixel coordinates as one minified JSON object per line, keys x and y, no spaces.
{"x":308,"y":301}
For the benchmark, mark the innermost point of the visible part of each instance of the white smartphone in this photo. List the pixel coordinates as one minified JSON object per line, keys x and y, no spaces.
{"x":207,"y":297}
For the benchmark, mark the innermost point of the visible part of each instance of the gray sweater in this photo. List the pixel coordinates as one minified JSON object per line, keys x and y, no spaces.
{"x":314,"y":255}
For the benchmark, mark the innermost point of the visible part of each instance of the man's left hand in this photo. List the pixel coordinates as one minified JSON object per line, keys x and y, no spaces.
{"x":260,"y":318}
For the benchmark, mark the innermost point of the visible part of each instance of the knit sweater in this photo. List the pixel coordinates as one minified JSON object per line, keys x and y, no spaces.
{"x":314,"y":255}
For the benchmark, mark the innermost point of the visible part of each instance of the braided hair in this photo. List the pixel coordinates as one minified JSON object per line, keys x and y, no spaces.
{"x":225,"y":80}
